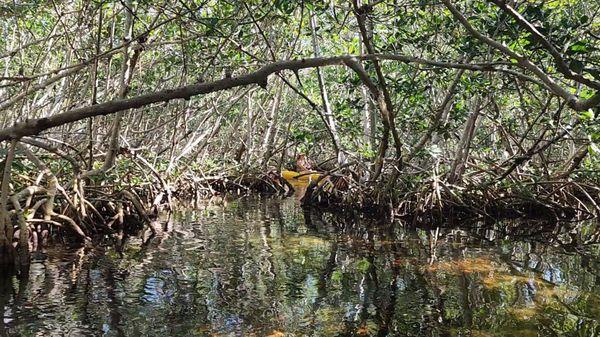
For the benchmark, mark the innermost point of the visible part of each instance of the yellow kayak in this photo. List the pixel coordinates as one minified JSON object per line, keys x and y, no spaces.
{"x":305,"y":177}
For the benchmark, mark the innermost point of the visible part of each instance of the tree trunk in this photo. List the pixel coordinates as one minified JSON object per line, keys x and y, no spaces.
{"x":462,"y":153}
{"x":368,"y":116}
{"x":124,"y":80}
{"x":94,"y":101}
{"x":383,"y":99}
{"x":329,"y":119}
{"x":272,"y":119}
{"x":7,"y":251}
{"x":249,"y":132}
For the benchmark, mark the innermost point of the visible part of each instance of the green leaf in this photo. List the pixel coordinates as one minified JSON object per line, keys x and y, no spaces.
{"x":336,"y":276}
{"x":363,"y":265}
{"x":579,"y":47}
{"x":593,"y":149}
{"x":586,"y":116}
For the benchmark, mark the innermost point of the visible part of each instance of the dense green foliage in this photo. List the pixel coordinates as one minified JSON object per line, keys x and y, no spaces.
{"x":207,"y":40}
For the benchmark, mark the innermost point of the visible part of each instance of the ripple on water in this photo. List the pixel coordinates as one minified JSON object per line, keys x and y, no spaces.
{"x":258,"y":268}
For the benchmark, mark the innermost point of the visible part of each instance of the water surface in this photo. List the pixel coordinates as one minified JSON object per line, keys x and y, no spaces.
{"x":265,"y":267}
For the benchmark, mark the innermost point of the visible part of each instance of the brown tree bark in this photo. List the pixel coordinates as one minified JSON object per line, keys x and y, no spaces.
{"x":7,"y":251}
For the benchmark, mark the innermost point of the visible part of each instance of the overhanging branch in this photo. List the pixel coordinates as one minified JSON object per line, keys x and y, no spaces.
{"x":561,"y":64}
{"x":573,"y":101}
{"x":35,"y":126}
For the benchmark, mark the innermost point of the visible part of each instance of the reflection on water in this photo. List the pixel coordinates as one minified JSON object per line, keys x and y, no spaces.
{"x":266,"y":268}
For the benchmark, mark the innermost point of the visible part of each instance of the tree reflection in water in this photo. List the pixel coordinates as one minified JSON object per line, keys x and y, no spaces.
{"x":265,"y":267}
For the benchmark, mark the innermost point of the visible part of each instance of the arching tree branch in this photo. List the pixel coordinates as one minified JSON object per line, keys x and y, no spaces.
{"x":35,"y":126}
{"x":573,"y":101}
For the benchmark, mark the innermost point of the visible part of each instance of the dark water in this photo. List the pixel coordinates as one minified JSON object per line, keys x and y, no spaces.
{"x":266,"y":268}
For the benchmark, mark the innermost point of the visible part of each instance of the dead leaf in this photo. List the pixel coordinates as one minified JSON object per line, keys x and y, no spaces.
{"x":276,"y":333}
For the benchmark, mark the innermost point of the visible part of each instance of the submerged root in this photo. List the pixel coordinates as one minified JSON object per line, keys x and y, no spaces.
{"x":438,"y":201}
{"x":37,"y":222}
{"x":79,"y":216}
{"x":7,"y":253}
